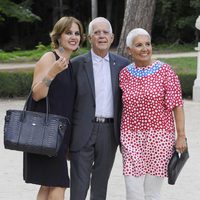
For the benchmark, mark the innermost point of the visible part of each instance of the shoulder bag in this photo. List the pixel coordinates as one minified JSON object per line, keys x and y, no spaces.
{"x":34,"y":132}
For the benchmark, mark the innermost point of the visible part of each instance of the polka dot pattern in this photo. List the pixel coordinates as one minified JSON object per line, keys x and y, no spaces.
{"x":140,"y":72}
{"x":147,"y":128}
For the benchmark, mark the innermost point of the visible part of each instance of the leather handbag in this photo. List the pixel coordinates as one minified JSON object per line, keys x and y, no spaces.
{"x":176,"y":164}
{"x":34,"y":132}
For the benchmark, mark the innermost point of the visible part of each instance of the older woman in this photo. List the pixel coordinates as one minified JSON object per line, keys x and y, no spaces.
{"x":53,"y":78}
{"x":151,"y":94}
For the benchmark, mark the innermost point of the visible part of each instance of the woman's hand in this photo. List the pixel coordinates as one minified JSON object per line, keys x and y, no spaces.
{"x":181,"y":144}
{"x":45,"y":71}
{"x":58,"y":66}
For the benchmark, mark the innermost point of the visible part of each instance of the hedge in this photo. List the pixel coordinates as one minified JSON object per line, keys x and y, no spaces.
{"x":187,"y":82}
{"x":18,"y":83}
{"x":15,"y":84}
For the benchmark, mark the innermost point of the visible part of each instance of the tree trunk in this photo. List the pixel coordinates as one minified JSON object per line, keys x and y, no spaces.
{"x":117,"y":22}
{"x":109,"y":9}
{"x":94,"y":8}
{"x":138,"y":14}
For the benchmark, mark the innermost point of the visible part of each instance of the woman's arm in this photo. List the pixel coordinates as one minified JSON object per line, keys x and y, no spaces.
{"x":45,"y":71}
{"x":180,"y":128}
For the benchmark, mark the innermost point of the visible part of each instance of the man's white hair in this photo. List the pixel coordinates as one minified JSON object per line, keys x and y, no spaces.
{"x":97,"y":20}
{"x":133,"y":34}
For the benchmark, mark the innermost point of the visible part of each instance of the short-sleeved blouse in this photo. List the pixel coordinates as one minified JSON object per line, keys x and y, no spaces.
{"x":147,"y":128}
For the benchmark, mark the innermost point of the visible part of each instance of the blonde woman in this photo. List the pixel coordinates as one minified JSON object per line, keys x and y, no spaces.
{"x":53,"y":78}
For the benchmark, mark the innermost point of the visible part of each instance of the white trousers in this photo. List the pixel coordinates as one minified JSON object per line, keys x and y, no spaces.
{"x":146,"y":187}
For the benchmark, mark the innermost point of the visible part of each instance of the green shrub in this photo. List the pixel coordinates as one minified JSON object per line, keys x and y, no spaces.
{"x":15,"y":84}
{"x":30,"y":55}
{"x":172,"y":48}
{"x":186,"y":69}
{"x":18,"y":83}
{"x":187,"y":82}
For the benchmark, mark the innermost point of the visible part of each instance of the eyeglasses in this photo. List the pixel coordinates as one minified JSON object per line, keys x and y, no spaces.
{"x":98,"y":33}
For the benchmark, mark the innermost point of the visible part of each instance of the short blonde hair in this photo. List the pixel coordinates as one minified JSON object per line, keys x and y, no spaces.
{"x":61,"y":25}
{"x":133,"y":34}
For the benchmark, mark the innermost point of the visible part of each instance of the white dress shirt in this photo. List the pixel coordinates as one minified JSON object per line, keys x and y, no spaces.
{"x":103,"y":86}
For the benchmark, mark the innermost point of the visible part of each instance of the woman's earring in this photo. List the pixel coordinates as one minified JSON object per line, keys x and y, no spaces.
{"x":60,"y":48}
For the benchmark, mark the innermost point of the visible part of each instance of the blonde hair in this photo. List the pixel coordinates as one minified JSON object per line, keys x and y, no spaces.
{"x":61,"y":25}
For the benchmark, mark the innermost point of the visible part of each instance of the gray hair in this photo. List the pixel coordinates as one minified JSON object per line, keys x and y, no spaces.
{"x":133,"y":34}
{"x":97,"y":20}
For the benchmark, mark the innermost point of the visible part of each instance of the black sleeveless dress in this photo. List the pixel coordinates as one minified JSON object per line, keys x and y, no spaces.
{"x":53,"y":171}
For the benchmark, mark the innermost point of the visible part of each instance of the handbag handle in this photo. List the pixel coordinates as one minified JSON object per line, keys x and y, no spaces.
{"x":26,"y":103}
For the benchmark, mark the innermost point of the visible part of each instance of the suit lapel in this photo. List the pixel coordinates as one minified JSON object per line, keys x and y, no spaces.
{"x":114,"y":73}
{"x":89,"y":71}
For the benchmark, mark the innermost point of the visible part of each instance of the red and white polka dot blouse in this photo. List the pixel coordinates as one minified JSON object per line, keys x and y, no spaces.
{"x":147,"y":127}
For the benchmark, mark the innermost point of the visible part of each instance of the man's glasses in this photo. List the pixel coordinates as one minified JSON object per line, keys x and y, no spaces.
{"x":98,"y":33}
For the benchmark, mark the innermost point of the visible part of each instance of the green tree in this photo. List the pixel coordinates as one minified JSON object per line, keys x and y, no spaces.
{"x":174,"y":20}
{"x":20,"y":11}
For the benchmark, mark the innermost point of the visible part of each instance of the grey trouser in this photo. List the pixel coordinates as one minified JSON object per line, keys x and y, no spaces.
{"x":93,"y":163}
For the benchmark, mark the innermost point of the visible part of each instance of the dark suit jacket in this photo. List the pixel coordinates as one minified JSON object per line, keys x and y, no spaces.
{"x":84,"y":107}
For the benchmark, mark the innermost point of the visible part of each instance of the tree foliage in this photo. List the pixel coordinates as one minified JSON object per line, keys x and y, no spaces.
{"x":20,"y":11}
{"x":175,"y":19}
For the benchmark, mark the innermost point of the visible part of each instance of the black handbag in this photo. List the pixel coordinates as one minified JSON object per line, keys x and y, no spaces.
{"x":176,"y":164}
{"x":34,"y":132}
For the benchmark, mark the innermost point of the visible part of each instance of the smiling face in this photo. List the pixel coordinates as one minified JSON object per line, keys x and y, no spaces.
{"x":70,"y":39}
{"x":141,"y":50}
{"x":101,"y":38}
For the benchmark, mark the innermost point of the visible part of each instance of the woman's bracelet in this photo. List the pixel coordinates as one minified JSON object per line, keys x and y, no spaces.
{"x":46,"y":81}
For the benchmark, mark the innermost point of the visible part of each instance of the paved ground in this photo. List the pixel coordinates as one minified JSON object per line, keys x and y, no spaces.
{"x":12,"y":186}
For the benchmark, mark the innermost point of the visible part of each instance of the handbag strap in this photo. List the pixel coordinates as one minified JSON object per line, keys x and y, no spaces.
{"x":28,"y":99}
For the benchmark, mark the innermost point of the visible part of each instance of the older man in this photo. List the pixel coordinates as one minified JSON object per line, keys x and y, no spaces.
{"x":97,"y":114}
